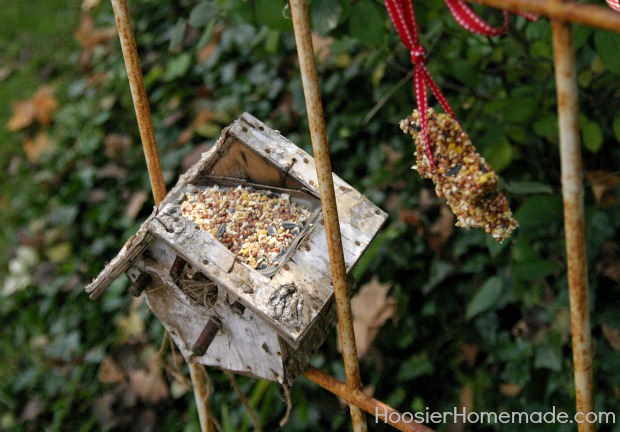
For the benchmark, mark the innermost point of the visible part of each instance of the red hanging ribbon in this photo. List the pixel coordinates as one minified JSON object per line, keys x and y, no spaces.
{"x":614,"y":4}
{"x":402,"y":15}
{"x":469,"y":20}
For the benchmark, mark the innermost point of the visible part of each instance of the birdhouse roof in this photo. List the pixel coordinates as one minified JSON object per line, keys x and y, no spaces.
{"x":248,"y":152}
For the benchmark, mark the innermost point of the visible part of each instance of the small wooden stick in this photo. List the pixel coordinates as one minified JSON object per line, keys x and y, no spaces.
{"x":206,"y":337}
{"x":139,"y":284}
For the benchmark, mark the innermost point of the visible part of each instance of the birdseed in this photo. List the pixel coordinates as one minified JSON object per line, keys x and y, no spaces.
{"x":257,"y":226}
{"x":461,"y":175}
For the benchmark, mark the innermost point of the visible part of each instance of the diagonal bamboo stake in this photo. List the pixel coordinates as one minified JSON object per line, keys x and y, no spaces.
{"x":574,"y":225}
{"x":382,"y":412}
{"x":316,"y":120}
{"x":151,"y":154}
{"x":570,"y":11}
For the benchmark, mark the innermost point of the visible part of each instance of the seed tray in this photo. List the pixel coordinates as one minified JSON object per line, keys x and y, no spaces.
{"x":261,"y":226}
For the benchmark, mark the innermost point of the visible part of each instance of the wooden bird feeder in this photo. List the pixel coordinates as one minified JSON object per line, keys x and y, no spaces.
{"x":260,"y":309}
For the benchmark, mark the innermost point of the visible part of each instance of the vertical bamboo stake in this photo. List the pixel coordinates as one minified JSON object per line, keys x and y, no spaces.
{"x":307,"y":65}
{"x":158,"y":186}
{"x":572,"y":193}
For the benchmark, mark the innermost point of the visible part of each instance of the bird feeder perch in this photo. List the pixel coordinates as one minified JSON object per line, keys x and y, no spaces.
{"x":260,"y":309}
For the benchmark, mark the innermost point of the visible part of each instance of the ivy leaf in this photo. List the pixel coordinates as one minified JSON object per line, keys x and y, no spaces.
{"x":177,"y":66}
{"x":367,"y":22}
{"x":528,"y":188}
{"x":499,"y":155}
{"x":271,"y":14}
{"x":540,"y":210}
{"x":548,"y":357}
{"x":202,"y":13}
{"x":325,"y":15}
{"x":486,"y":297}
{"x":607,"y":44}
{"x":592,"y":134}
{"x":176,"y":38}
{"x":533,"y":270}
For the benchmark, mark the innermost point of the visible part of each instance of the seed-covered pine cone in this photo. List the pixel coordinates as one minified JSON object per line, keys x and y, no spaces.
{"x":461,"y":175}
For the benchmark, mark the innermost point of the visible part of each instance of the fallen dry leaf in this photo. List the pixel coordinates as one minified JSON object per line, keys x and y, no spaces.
{"x":603,"y":187}
{"x":443,"y":228}
{"x":608,"y":261}
{"x":466,"y":401}
{"x":116,"y":145}
{"x":33,"y":409}
{"x":149,"y":384}
{"x":39,"y":107}
{"x":611,"y":335}
{"x":371,"y":308}
{"x":207,"y":51}
{"x":89,"y":4}
{"x":322,"y":46}
{"x":109,"y":371}
{"x":37,"y":147}
{"x":89,"y":36}
{"x":436,"y":235}
{"x":469,"y":353}
{"x":6,"y":71}
{"x":510,"y":389}
{"x":136,"y":202}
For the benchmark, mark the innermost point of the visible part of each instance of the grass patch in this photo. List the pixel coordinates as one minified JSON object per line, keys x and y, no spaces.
{"x":36,"y":46}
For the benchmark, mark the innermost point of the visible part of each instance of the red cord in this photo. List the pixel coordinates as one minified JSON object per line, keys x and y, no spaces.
{"x":402,"y":15}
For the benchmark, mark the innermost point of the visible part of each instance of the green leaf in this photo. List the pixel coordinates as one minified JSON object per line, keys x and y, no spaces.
{"x":367,"y":22}
{"x":325,"y":15}
{"x":486,"y":297}
{"x":607,"y":44}
{"x":547,"y":126}
{"x":440,"y":270}
{"x":548,"y":357}
{"x":176,"y":39}
{"x":271,"y":13}
{"x":540,"y":210}
{"x":520,"y":109}
{"x":616,"y":126}
{"x":202,"y":13}
{"x":177,"y":66}
{"x":494,"y":247}
{"x":533,"y":270}
{"x":528,"y":188}
{"x":499,"y":155}
{"x":415,"y":367}
{"x":592,"y":134}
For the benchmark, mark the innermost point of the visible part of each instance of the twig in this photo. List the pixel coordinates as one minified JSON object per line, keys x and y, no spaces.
{"x":244,"y":400}
{"x":289,"y":405}
{"x":386,"y":97}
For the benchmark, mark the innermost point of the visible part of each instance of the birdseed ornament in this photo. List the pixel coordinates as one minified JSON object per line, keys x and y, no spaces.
{"x":460,"y":174}
{"x":444,"y":152}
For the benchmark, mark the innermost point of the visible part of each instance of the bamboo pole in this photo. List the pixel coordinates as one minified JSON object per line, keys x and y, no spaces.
{"x":591,"y":15}
{"x":151,"y":154}
{"x":380,"y":411}
{"x":307,"y":65}
{"x":574,"y":226}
